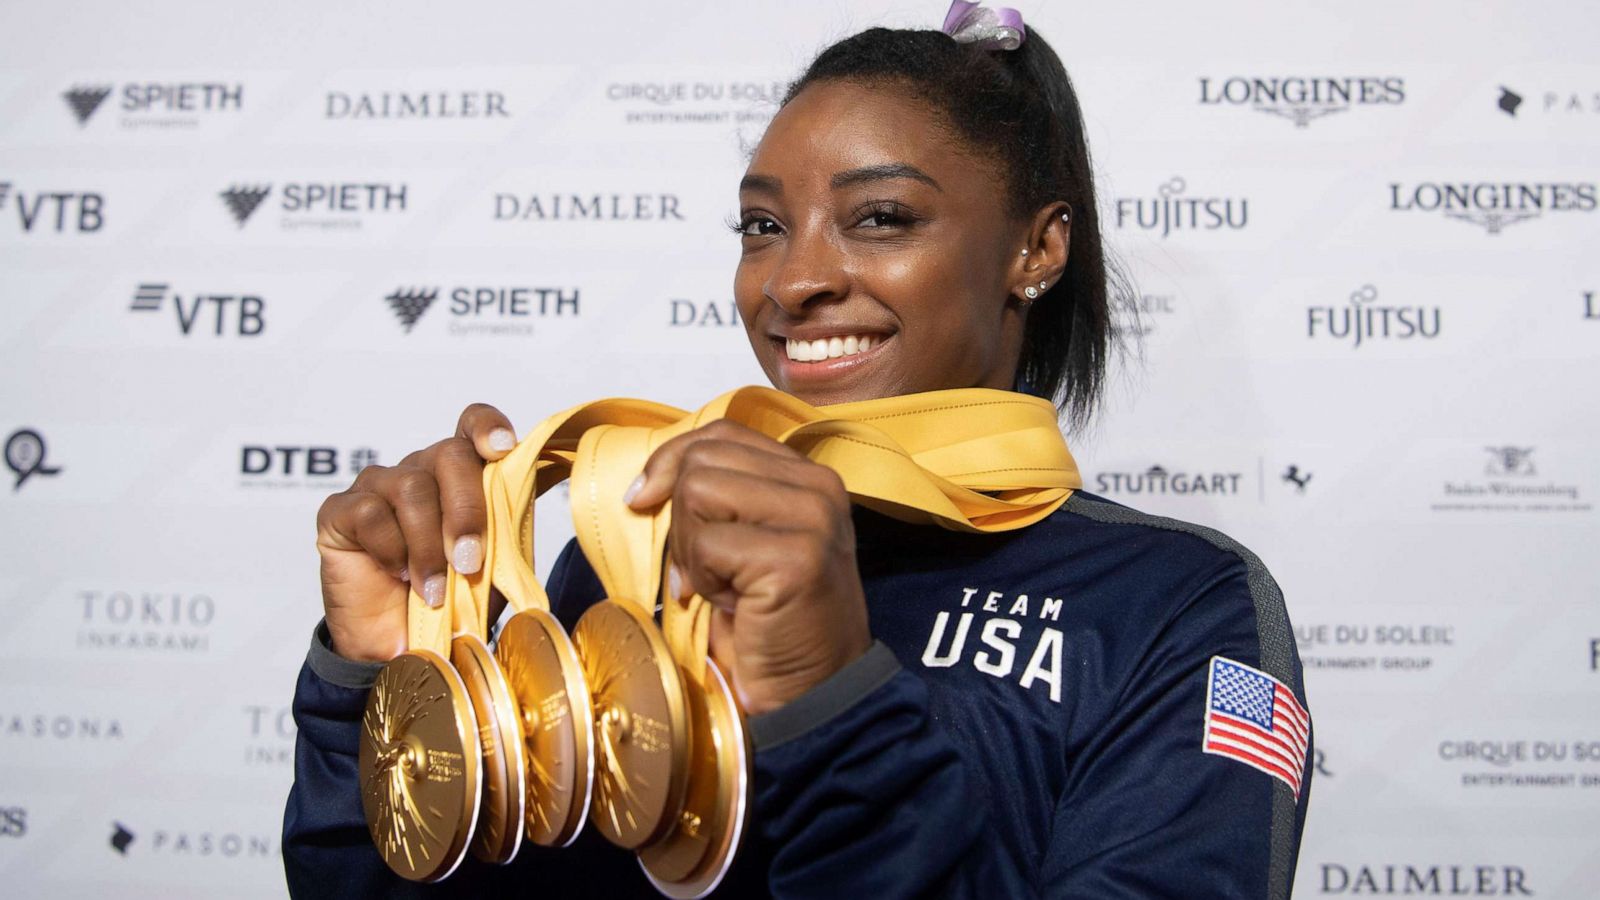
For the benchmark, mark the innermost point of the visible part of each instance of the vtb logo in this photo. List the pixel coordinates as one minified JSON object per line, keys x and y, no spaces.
{"x":236,"y":314}
{"x":59,"y":211}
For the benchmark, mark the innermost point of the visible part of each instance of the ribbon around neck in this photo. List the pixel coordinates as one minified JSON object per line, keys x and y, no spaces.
{"x":974,"y":459}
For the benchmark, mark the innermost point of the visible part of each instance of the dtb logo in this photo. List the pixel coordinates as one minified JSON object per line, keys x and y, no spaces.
{"x":79,"y":212}
{"x":292,"y":461}
{"x":219,"y":315}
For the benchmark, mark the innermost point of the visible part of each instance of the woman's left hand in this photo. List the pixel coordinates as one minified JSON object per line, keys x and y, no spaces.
{"x":765,"y":535}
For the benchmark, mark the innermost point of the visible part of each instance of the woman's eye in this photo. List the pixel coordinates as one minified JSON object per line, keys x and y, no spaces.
{"x":884,"y":218}
{"x":759,"y":226}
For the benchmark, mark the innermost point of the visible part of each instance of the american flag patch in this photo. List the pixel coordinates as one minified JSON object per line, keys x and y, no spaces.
{"x":1251,"y":717}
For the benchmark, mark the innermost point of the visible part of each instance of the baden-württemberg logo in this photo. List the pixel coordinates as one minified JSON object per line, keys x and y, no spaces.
{"x":156,"y":104}
{"x":1364,"y":320}
{"x":1302,"y":99}
{"x":225,"y":315}
{"x":1510,"y":480}
{"x":321,"y":205}
{"x":498,"y":310}
{"x":1493,"y":205}
{"x":1170,"y":210}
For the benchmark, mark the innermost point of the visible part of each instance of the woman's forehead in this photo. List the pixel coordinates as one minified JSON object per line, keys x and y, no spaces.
{"x":837,"y":126}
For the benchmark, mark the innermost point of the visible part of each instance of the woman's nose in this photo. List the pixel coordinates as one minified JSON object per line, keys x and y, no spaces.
{"x":810,"y":270}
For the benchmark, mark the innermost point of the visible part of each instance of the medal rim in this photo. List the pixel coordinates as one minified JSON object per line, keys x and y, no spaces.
{"x":734,"y":757}
{"x":580,"y":716}
{"x":507,"y":725}
{"x":471,"y":752}
{"x":677,"y":720}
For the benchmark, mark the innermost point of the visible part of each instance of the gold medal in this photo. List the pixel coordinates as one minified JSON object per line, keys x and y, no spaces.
{"x":419,"y":766}
{"x":552,"y":698}
{"x":500,"y":821}
{"x":641,"y":723}
{"x":691,"y":860}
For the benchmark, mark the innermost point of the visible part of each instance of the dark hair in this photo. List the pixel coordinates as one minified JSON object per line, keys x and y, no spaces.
{"x":1018,"y":104}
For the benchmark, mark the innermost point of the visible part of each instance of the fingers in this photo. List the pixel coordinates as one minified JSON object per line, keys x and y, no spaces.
{"x":729,"y":563}
{"x":363,"y":522}
{"x":488,"y":430}
{"x":410,"y":497}
{"x":738,"y":447}
{"x":461,"y":512}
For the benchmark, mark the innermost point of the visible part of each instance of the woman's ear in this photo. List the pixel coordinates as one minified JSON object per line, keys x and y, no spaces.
{"x":1044,"y":258}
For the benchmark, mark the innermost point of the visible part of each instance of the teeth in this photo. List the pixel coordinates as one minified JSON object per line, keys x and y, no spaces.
{"x":828,"y":348}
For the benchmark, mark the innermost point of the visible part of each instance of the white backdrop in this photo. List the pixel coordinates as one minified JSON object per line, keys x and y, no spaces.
{"x":202,"y":370}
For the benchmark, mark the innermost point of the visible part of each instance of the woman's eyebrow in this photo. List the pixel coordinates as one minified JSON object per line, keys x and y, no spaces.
{"x":865,"y":174}
{"x":764,"y":183}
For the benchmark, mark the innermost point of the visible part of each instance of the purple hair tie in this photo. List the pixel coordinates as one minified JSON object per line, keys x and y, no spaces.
{"x":990,"y":29}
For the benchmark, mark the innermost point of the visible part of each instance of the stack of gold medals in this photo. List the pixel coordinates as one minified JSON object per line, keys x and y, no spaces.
{"x":627,"y":722}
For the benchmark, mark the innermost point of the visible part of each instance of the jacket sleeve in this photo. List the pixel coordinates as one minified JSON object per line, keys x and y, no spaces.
{"x":865,"y":794}
{"x":1146,"y":812}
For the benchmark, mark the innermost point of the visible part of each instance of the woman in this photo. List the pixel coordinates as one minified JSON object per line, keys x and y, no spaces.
{"x":935,"y":713}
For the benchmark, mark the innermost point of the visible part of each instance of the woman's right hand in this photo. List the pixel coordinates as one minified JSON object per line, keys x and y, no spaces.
{"x":392,"y":529}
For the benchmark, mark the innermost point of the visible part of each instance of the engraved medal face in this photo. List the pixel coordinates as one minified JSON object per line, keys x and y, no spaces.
{"x":691,"y":860}
{"x":552,"y":699}
{"x":499,"y":831}
{"x":641,"y":728}
{"x":419,"y":765}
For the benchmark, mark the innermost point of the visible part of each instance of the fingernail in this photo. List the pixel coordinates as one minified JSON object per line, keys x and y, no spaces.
{"x":433,"y":591}
{"x":502,"y":439}
{"x":468,"y":555}
{"x":674,"y":581}
{"x":633,"y":490}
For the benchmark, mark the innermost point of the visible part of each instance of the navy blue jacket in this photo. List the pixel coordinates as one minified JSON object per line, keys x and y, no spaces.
{"x":1028,"y":723}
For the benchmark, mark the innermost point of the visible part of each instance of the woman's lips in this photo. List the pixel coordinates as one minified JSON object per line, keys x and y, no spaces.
{"x":827,"y":357}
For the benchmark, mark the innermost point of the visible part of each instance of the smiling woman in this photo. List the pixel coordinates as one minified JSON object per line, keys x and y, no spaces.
{"x":1100,"y":704}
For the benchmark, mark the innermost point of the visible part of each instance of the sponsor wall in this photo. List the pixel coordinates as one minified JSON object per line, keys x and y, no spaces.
{"x":246,"y":251}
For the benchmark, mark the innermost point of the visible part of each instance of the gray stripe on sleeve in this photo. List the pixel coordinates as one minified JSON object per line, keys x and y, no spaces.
{"x":1277,"y":656}
{"x":335,"y":669}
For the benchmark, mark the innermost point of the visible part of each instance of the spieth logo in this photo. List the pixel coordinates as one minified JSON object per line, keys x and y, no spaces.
{"x":482,"y":310}
{"x":1363,"y":321}
{"x":1432,"y":880}
{"x":1510,"y":461}
{"x":1158,"y":480}
{"x":1170,"y":211}
{"x":239,"y":315}
{"x":242,"y":201}
{"x":1302,"y":100}
{"x":410,"y":303}
{"x":59,"y":211}
{"x":331,"y":206}
{"x":415,"y":105}
{"x":85,"y":100}
{"x":155,"y":104}
{"x":1493,"y":205}
{"x":586,"y":208}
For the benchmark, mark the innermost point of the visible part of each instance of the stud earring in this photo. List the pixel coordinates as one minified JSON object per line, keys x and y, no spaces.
{"x":1024,"y":253}
{"x":1031,"y":291}
{"x":1066,"y":216}
{"x":1044,"y":285}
